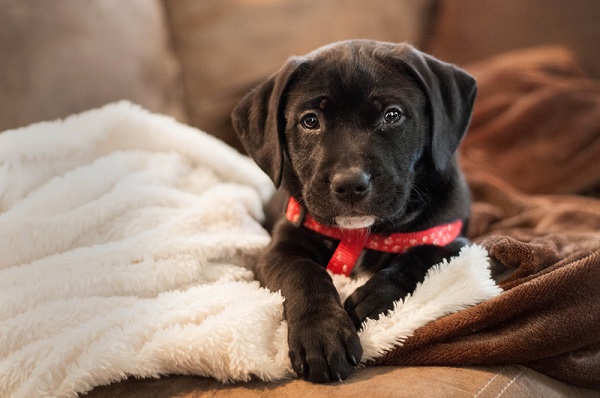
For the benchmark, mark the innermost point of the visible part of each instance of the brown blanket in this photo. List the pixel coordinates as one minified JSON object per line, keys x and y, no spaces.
{"x":536,"y":129}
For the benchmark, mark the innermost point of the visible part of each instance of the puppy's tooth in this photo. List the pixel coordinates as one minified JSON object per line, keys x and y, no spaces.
{"x":339,"y":377}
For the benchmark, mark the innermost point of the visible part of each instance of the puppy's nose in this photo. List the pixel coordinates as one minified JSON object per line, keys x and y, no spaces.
{"x":351,"y":185}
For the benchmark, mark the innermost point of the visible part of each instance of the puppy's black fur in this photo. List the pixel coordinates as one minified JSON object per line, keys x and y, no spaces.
{"x":355,"y":129}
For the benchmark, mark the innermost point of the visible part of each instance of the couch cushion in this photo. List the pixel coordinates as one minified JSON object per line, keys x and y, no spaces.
{"x":228,"y":46}
{"x":373,"y":382}
{"x":470,"y":30}
{"x":61,"y":57}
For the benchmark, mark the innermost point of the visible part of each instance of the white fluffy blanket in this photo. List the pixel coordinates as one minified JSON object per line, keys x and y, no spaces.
{"x":127,"y":242}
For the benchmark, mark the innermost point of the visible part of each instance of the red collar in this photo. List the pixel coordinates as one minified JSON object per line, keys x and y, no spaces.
{"x":353,"y":241}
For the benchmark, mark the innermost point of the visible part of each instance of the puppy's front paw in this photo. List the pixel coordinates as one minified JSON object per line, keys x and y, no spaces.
{"x":375,"y":297}
{"x":324,"y":346}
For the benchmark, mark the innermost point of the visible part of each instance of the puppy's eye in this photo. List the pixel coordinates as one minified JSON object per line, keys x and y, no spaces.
{"x":310,"y":121}
{"x":392,"y":114}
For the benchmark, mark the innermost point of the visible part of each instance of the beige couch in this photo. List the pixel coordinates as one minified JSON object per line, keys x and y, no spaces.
{"x":195,"y":59}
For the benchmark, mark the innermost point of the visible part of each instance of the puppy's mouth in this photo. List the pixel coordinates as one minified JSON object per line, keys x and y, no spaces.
{"x":355,"y":222}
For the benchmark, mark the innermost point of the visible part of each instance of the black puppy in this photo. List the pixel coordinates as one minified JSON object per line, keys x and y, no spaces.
{"x":361,"y":135}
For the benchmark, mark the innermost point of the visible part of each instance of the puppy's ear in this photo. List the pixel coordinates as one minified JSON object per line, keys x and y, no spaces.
{"x":451,"y":92}
{"x":259,"y":121}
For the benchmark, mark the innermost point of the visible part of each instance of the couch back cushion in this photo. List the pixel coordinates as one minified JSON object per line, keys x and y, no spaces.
{"x":470,"y":30}
{"x":60,"y":57}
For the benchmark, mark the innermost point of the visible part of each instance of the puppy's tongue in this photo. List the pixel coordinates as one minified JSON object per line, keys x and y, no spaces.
{"x":355,"y":222}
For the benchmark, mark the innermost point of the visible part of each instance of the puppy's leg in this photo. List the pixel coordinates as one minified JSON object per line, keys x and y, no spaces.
{"x":396,"y":280}
{"x":324,"y":345}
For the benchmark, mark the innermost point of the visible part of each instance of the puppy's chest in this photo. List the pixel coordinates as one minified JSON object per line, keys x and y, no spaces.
{"x":371,"y":261}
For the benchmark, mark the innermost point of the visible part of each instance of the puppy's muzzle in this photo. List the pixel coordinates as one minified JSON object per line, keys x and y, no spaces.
{"x":350,"y":185}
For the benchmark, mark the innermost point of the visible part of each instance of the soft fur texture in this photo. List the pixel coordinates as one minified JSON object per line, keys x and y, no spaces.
{"x":128,"y":241}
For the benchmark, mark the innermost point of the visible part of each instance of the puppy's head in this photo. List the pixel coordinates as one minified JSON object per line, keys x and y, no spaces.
{"x":353,"y":127}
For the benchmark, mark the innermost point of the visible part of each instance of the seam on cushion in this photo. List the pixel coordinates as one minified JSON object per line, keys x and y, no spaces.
{"x":510,"y":383}
{"x":489,"y":382}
